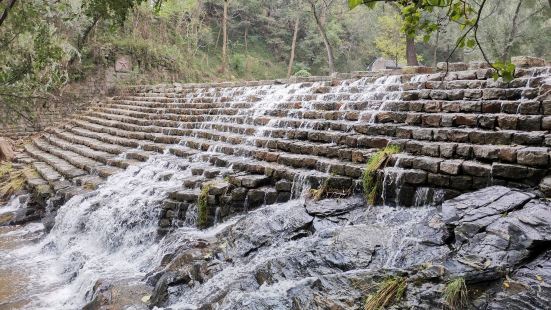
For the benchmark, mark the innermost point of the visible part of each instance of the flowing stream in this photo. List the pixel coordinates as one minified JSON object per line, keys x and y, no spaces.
{"x":110,"y":234}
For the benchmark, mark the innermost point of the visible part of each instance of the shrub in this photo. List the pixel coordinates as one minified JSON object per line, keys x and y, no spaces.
{"x":302,"y":73}
{"x":237,"y":63}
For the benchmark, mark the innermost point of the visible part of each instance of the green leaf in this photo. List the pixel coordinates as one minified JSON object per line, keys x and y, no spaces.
{"x":471,"y":43}
{"x":354,"y":3}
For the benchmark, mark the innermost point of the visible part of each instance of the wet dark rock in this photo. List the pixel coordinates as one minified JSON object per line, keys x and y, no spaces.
{"x":331,"y":254}
{"x":332,"y":207}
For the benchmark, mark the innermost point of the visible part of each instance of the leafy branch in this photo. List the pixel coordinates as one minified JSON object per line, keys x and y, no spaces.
{"x":460,"y":12}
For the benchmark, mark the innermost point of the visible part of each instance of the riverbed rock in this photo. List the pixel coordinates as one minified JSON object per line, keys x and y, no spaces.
{"x":6,"y":150}
{"x":332,"y":253}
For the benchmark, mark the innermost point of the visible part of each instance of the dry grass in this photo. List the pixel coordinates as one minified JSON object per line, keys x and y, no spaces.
{"x":390,"y":291}
{"x":202,"y":206}
{"x":12,"y":180}
{"x":456,"y":293}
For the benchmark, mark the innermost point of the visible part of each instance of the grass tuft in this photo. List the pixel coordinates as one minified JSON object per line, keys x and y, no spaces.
{"x":370,"y":181}
{"x":321,"y":192}
{"x":390,"y":291}
{"x":12,"y":180}
{"x":456,"y":293}
{"x":202,"y":206}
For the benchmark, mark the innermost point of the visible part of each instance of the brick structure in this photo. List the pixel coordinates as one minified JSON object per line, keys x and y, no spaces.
{"x":261,"y":140}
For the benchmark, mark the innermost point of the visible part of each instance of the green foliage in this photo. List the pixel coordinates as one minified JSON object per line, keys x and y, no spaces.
{"x":504,"y":70}
{"x":237,"y":63}
{"x":419,"y":18}
{"x":370,"y":182}
{"x":202,"y":206}
{"x":110,"y":9}
{"x":389,"y":292}
{"x":456,"y":293}
{"x":302,"y":73}
{"x":391,"y":42}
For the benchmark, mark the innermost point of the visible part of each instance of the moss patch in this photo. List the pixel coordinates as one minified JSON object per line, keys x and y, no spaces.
{"x":456,"y":294}
{"x":370,"y":180}
{"x":389,"y":292}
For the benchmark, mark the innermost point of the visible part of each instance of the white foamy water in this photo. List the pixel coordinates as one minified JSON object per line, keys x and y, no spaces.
{"x":109,"y":233}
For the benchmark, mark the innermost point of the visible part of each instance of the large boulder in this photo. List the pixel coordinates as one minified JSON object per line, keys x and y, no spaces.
{"x":6,"y":150}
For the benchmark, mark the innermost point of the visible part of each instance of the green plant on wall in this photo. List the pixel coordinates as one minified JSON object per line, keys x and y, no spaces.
{"x":370,"y":180}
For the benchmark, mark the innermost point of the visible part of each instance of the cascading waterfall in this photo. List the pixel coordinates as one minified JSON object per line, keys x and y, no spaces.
{"x":109,"y":233}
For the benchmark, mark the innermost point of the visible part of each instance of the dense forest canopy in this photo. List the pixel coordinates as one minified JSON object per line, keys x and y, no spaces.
{"x":46,"y":45}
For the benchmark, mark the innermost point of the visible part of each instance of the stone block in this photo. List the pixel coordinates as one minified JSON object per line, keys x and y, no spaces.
{"x":527,"y":62}
{"x":255,"y":197}
{"x":422,"y":134}
{"x":529,"y":123}
{"x":533,"y":156}
{"x":432,"y":107}
{"x":529,"y":107}
{"x":465,"y":120}
{"x":426,"y":163}
{"x":452,"y":66}
{"x":414,"y":176}
{"x":439,"y":95}
{"x":508,"y":171}
{"x":431,"y":120}
{"x":438,"y":180}
{"x":528,"y":138}
{"x":476,"y":169}
{"x":464,"y":151}
{"x":461,"y":182}
{"x":451,"y":167}
{"x":493,"y":93}
{"x":508,"y":154}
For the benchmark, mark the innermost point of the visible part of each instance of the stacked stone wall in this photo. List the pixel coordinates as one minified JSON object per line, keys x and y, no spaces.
{"x":262,"y":142}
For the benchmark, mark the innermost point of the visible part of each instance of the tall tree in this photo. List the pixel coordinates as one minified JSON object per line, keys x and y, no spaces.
{"x":225,"y":37}
{"x":293,"y":47}
{"x":319,"y":10}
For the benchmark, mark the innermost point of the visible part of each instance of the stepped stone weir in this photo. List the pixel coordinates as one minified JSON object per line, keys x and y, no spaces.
{"x":254,"y":143}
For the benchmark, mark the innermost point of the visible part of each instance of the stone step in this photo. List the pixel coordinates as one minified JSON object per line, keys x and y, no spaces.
{"x":523,"y":123}
{"x":229,"y":147}
{"x":47,"y":172}
{"x":469,"y":143}
{"x":83,"y":162}
{"x":272,"y":169}
{"x":66,"y":169}
{"x":95,"y":144}
{"x":151,"y":107}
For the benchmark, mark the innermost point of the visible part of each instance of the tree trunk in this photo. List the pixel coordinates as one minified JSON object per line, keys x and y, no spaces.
{"x":435,"y":53}
{"x":246,"y":49}
{"x":510,"y":40}
{"x":6,"y":11}
{"x":411,"y":53}
{"x":328,"y":47}
{"x":293,"y":46}
{"x":225,"y":37}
